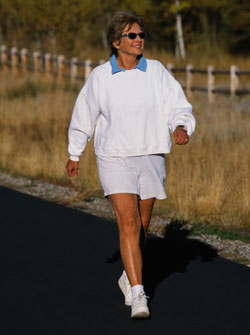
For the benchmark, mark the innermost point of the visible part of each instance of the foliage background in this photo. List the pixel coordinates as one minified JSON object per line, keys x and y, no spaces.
{"x":72,"y":27}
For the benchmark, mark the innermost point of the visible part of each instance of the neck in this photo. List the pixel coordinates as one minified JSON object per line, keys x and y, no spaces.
{"x":127,"y":62}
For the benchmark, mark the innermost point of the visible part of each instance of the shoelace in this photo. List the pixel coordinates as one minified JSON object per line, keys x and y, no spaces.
{"x":142,"y":296}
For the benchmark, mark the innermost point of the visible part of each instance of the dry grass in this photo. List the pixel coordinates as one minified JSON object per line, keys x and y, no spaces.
{"x":199,"y":57}
{"x":217,"y":58}
{"x":208,"y":180}
{"x":34,"y":134}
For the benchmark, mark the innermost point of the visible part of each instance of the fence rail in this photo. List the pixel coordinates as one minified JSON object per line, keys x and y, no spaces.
{"x":74,"y":70}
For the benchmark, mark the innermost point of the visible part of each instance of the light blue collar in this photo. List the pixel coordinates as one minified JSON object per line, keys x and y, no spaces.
{"x":142,"y":65}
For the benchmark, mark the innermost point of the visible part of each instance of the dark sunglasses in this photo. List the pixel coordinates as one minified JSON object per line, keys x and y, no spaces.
{"x":132,"y":36}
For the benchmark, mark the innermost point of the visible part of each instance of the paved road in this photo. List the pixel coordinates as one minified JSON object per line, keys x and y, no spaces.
{"x":59,"y":269}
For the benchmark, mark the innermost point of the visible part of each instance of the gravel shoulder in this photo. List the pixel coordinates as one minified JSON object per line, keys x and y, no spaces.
{"x":235,"y":250}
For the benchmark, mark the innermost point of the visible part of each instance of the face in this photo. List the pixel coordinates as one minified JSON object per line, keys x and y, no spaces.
{"x":128,"y":46}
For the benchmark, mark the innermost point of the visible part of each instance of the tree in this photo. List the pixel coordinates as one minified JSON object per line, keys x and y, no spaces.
{"x":69,"y":26}
{"x":237,"y":27}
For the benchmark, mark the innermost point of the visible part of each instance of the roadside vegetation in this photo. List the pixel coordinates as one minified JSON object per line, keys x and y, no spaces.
{"x":207,"y":180}
{"x":74,"y":27}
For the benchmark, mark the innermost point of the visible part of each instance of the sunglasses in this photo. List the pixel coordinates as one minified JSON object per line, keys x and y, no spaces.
{"x":132,"y":36}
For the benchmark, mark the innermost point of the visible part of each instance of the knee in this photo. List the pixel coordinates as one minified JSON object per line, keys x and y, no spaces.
{"x":130,"y":225}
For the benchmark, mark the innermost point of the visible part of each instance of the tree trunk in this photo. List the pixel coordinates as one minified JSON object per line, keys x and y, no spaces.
{"x":180,"y":39}
{"x":104,"y":40}
{"x":52,"y":40}
{"x":1,"y":36}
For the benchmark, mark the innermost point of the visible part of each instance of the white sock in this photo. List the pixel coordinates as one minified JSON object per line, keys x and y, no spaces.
{"x":125,"y":275}
{"x":136,"y":289}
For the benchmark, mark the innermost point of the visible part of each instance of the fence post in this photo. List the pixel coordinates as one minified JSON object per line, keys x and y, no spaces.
{"x":37,"y":61}
{"x":24,"y":59}
{"x":87,"y":68}
{"x":4,"y":57}
{"x":170,"y":67}
{"x":48,"y":65}
{"x":14,"y":60}
{"x":60,"y":67}
{"x":189,"y":80}
{"x":234,"y":79}
{"x":210,"y":83}
{"x":73,"y":69}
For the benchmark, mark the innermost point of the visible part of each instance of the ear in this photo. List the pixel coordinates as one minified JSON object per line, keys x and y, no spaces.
{"x":116,"y":44}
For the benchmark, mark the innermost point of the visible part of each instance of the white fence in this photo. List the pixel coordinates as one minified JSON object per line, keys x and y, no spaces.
{"x":74,"y":70}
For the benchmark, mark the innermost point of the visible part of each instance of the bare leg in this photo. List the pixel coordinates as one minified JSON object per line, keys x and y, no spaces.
{"x":128,"y":212}
{"x":146,"y":208}
{"x":126,"y":209}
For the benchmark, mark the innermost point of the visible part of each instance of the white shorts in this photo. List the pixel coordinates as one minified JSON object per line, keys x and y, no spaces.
{"x":142,"y":175}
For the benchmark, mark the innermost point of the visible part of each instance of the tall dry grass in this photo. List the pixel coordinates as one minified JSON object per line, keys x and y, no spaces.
{"x":198,"y":56}
{"x":207,"y":180}
{"x":34,"y":128}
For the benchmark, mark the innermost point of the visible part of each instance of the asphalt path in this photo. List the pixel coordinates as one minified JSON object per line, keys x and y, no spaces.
{"x":59,"y":272}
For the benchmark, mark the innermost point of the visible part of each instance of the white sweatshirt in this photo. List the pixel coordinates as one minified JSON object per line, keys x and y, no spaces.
{"x":131,"y":112}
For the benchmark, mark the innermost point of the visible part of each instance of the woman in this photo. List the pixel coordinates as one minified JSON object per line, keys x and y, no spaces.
{"x":132,"y":103}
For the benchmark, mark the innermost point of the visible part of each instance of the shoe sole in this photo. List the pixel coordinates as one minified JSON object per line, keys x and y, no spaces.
{"x":120,"y":283}
{"x":140,"y":314}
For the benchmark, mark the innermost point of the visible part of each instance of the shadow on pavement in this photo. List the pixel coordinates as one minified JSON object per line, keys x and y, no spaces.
{"x":59,"y":272}
{"x":171,"y":254}
{"x":165,"y":256}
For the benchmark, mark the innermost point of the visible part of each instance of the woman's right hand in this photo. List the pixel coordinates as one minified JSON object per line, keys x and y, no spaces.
{"x":72,"y":168}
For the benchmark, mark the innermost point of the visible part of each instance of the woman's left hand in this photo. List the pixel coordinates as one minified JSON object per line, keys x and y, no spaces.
{"x":180,"y":135}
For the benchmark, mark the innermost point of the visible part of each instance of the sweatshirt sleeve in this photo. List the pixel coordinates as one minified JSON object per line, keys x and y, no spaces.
{"x":84,"y":118}
{"x":179,"y":110}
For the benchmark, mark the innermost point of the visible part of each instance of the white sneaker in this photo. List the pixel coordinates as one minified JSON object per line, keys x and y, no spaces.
{"x":140,"y":307}
{"x":126,"y":289}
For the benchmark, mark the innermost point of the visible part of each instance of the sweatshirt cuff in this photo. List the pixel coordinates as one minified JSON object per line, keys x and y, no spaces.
{"x":74,"y":158}
{"x":186,"y":125}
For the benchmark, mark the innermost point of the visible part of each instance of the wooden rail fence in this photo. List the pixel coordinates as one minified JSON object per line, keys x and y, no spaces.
{"x":74,"y":70}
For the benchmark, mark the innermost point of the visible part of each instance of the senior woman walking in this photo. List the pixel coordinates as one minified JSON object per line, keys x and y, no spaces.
{"x":133,"y":104}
